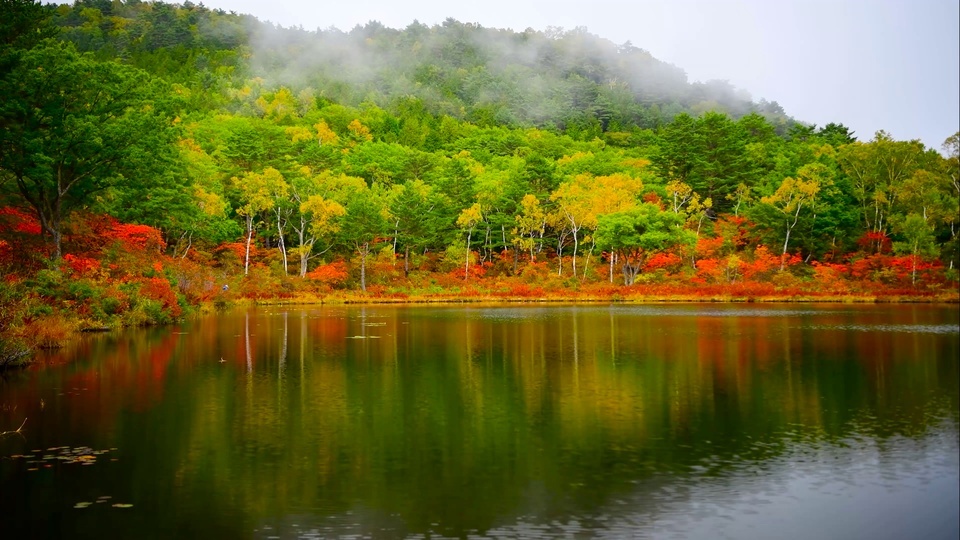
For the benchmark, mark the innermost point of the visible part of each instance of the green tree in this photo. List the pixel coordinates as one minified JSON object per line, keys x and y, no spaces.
{"x":877,"y":169}
{"x":365,"y":224}
{"x":413,"y":214}
{"x":24,"y":24}
{"x":636,"y":233}
{"x":707,"y":153}
{"x":74,"y":127}
{"x":918,"y":240}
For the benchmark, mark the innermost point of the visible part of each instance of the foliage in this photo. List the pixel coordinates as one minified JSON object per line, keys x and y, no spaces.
{"x":156,"y":158}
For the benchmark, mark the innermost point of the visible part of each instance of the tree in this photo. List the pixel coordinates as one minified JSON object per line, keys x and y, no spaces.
{"x":877,"y":169}
{"x":364,"y":224}
{"x":320,"y":201}
{"x":583,"y":199}
{"x":707,"y":153}
{"x":259,"y":192}
{"x":322,"y":217}
{"x":467,"y":220}
{"x":793,"y":195}
{"x":24,"y":24}
{"x":73,"y":127}
{"x":951,"y":166}
{"x":918,"y":240}
{"x":636,"y":233}
{"x":415,"y":221}
{"x":531,"y":222}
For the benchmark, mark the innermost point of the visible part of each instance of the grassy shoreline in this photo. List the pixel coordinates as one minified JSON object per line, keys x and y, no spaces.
{"x":639,"y":298}
{"x":19,"y":342}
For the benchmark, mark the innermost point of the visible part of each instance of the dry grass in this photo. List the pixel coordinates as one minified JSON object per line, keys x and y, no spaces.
{"x":50,"y":332}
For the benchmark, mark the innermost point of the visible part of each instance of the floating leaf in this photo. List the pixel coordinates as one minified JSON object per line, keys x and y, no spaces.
{"x":82,"y":504}
{"x":122,"y":505}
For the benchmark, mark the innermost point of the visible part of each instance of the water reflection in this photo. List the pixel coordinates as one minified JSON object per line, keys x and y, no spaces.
{"x":515,"y":422}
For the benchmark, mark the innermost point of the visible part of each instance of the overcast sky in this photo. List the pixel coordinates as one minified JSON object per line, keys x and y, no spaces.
{"x":869,"y":64}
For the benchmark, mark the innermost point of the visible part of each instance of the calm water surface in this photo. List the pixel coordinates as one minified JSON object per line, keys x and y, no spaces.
{"x":675,"y":421}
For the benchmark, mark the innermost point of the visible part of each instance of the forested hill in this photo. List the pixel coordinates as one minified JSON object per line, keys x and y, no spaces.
{"x":149,"y":151}
{"x":569,"y":80}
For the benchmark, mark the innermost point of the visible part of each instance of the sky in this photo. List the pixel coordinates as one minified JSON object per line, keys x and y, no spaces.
{"x":868,"y":64}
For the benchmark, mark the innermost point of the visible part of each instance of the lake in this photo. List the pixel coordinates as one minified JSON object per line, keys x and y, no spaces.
{"x":474,"y":421}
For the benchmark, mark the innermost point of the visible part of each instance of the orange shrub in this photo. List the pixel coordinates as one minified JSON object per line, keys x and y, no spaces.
{"x":830,"y":276}
{"x":524,"y":290}
{"x":764,"y":263}
{"x":709,"y":271}
{"x":331,"y":274}
{"x":708,"y":247}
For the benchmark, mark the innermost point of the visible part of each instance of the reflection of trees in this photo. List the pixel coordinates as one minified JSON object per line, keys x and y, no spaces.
{"x":471,"y":417}
{"x":443,"y":412}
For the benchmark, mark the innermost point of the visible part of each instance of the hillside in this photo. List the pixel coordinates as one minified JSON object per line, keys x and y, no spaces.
{"x":569,"y":80}
{"x":189,"y":149}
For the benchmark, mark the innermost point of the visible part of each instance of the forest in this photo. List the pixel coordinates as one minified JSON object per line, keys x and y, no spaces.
{"x":158,"y":159}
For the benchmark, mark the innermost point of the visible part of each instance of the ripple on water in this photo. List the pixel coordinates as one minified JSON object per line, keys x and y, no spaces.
{"x":906,"y":328}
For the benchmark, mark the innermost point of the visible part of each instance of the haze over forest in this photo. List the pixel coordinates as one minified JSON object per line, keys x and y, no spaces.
{"x":882,"y":64}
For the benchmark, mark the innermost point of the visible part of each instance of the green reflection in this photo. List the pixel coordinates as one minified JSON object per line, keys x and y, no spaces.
{"x":458,"y":420}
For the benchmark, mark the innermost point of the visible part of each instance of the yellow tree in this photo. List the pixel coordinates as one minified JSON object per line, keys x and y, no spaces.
{"x":325,"y":135}
{"x":531,"y":222}
{"x":467,"y":220}
{"x":793,"y":195}
{"x":581,"y":200}
{"x":321,"y":214}
{"x":258,"y":193}
{"x":321,"y":199}
{"x":277,"y":106}
{"x":680,"y":194}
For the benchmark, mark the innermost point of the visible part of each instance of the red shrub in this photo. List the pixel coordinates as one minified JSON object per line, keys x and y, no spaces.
{"x":874,"y":242}
{"x":81,"y":265}
{"x":666,"y":261}
{"x":138,"y":237}
{"x":160,"y":290}
{"x":19,"y":221}
{"x":651,"y":197}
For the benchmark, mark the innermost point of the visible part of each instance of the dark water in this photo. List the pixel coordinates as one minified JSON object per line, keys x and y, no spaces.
{"x":678,"y":421}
